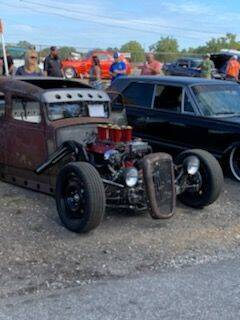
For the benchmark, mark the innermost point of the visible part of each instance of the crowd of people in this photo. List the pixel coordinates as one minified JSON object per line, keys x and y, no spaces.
{"x":52,"y":67}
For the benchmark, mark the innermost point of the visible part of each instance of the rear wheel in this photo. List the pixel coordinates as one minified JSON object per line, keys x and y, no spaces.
{"x":80,"y":197}
{"x":234,"y":162}
{"x":209,"y":178}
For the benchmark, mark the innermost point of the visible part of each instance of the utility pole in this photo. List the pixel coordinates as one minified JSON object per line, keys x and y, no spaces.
{"x":4,"y":49}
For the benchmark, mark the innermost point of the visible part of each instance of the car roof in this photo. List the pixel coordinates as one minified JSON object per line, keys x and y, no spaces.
{"x":190,"y":58}
{"x":171,"y":79}
{"x":36,"y":85}
{"x":52,"y":82}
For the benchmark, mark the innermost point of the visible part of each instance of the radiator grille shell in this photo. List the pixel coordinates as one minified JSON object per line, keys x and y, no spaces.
{"x":158,"y":175}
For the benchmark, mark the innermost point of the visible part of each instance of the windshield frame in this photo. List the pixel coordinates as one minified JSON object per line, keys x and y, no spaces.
{"x":200,"y":108}
{"x":85,"y":105}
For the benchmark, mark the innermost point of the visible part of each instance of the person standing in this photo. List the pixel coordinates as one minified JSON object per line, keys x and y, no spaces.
{"x":52,"y":64}
{"x":206,"y":67}
{"x":151,"y":66}
{"x":118,"y":68}
{"x":10,"y":64}
{"x":30,"y":68}
{"x":232,"y":70}
{"x":95,"y":74}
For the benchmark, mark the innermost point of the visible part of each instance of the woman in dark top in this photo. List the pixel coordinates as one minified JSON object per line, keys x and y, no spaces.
{"x":30,"y":68}
{"x":95,"y":74}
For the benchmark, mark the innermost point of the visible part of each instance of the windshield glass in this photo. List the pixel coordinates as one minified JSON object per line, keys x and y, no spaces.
{"x":62,"y":110}
{"x":220,"y":99}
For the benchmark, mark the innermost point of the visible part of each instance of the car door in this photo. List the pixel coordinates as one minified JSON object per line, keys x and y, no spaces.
{"x":26,"y":143}
{"x":182,"y":68}
{"x":169,"y":124}
{"x":162,"y":126}
{"x":182,"y":128}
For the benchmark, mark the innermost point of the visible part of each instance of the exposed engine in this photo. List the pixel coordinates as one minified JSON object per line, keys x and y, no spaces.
{"x":118,"y":158}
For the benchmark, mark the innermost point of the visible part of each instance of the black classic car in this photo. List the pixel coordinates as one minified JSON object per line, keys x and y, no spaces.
{"x":178,"y":113}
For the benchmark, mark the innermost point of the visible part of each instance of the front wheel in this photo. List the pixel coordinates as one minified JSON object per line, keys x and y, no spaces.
{"x":209,"y":180}
{"x":80,"y":197}
{"x":69,"y":73}
{"x":234,"y":163}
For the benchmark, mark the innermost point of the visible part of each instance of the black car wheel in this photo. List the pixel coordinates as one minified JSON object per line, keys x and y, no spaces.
{"x":234,"y":162}
{"x":80,"y":197}
{"x":209,"y":178}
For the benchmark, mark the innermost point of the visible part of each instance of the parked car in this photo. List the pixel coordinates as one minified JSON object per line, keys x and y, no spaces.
{"x":80,"y":68}
{"x":55,"y":138}
{"x":179,"y":113}
{"x":188,"y":67}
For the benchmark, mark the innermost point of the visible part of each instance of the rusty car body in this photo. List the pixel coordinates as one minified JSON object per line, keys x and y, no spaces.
{"x":50,"y":143}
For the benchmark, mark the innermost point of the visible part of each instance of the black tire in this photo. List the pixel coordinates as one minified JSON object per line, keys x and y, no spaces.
{"x":212,"y":179}
{"x":234,"y":162}
{"x":80,"y":197}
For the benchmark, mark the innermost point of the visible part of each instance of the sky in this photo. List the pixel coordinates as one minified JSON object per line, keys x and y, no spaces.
{"x":101,"y":24}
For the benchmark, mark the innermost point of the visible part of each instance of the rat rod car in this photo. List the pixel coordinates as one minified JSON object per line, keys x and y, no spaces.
{"x":55,"y":138}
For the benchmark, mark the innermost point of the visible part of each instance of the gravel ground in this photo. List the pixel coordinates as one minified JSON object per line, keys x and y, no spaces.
{"x":37,"y":253}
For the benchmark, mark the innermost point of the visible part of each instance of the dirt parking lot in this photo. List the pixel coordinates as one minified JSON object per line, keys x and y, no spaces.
{"x":37,"y":253}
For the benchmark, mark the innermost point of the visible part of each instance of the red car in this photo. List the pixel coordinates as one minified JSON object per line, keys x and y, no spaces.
{"x":81,"y":68}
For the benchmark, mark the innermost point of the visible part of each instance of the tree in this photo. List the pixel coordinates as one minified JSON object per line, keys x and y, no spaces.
{"x":25,"y":44}
{"x":64,"y":52}
{"x":113,"y":49}
{"x":165,"y":49}
{"x":216,"y":44}
{"x":136,"y":50}
{"x":44,"y":52}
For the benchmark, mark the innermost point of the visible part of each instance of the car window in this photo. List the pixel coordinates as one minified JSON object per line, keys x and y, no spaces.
{"x":183,"y":64}
{"x":187,"y":107}
{"x":218,"y":99}
{"x":2,"y":105}
{"x":168,"y":98}
{"x":195,"y":63}
{"x":26,"y":110}
{"x":76,"y":109}
{"x":139,"y":94}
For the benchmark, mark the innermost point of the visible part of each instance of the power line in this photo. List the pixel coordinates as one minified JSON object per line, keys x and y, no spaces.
{"x":102,"y":23}
{"x":107,"y":17}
